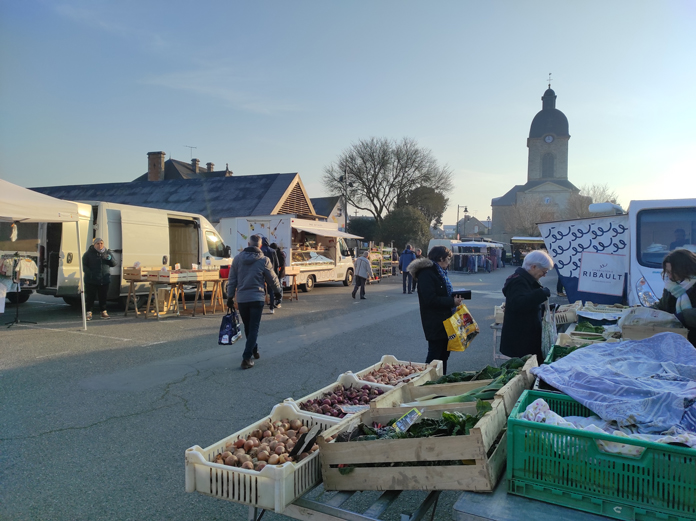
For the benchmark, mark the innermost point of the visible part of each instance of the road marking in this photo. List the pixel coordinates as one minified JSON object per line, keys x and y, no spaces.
{"x":75,"y":332}
{"x":54,"y":354}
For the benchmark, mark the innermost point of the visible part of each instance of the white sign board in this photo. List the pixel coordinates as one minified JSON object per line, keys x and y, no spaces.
{"x":602,"y":273}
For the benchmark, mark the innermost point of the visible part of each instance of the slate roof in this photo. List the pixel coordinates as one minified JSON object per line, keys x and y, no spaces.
{"x":214,"y":198}
{"x":510,"y":198}
{"x":549,"y":120}
{"x":175,"y":169}
{"x":324,"y":205}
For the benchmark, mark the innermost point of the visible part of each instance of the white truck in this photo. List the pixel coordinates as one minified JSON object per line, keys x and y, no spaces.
{"x":134,"y":234}
{"x":618,"y":258}
{"x":315,"y":249}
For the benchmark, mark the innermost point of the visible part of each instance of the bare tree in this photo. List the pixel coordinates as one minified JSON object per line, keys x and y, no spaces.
{"x":375,"y":173}
{"x":522,"y":218}
{"x":578,"y":204}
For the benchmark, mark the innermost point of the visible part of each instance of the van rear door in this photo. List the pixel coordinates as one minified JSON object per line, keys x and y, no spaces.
{"x":144,"y":239}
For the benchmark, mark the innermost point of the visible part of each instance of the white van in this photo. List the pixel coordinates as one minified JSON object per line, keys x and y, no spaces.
{"x":316,"y":250}
{"x":134,"y":234}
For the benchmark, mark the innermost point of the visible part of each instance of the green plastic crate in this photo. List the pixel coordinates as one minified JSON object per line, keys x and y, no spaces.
{"x":565,"y":467}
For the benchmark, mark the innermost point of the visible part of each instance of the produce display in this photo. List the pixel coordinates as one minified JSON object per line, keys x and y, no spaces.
{"x":270,"y":444}
{"x":508,"y":369}
{"x":392,"y":374}
{"x":585,"y":327}
{"x":332,"y":403}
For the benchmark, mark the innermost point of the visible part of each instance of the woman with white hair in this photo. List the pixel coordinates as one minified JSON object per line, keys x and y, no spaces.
{"x":524,"y":296}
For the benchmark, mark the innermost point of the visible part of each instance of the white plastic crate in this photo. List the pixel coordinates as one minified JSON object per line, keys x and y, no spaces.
{"x":346,"y":380}
{"x":274,"y":487}
{"x":430,"y":371}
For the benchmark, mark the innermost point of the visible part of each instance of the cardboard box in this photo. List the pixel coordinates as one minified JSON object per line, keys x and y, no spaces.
{"x":638,"y":332}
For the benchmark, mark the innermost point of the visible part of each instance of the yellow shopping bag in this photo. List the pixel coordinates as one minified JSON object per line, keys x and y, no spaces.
{"x":461,"y":329}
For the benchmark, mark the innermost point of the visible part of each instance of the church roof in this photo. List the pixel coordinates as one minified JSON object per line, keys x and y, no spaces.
{"x":549,"y":120}
{"x":214,"y":198}
{"x":510,"y":198}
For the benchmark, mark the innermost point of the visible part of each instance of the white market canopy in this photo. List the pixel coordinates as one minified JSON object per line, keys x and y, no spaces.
{"x":324,"y":232}
{"x":477,"y":244}
{"x":535,"y":240}
{"x":18,"y":204}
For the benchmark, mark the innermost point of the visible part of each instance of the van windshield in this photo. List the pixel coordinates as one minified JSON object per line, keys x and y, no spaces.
{"x":216,"y":247}
{"x":661,"y":231}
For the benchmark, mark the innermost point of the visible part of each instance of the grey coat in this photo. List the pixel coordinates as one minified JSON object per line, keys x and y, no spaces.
{"x":251,"y":271}
{"x":363,"y":268}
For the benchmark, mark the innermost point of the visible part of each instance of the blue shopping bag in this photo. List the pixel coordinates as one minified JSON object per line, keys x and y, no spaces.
{"x":230,"y":331}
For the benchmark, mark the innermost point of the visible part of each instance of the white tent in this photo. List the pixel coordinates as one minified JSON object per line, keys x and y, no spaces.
{"x":19,"y":204}
{"x":478,"y":244}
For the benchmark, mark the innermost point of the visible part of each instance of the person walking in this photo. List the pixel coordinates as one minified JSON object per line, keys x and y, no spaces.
{"x":363,"y":273}
{"x":406,"y":258}
{"x":271,"y":254}
{"x":419,"y":255}
{"x":395,"y":261}
{"x":251,"y":269}
{"x":96,"y":263}
{"x":435,"y":300}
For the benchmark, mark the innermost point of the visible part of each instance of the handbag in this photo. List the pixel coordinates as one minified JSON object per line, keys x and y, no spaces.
{"x":230,"y":331}
{"x":461,"y":329}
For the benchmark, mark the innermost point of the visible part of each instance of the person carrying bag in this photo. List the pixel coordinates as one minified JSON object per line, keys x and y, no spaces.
{"x":230,"y":331}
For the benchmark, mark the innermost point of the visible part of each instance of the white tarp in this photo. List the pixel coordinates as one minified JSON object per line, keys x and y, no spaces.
{"x":19,"y":204}
{"x":649,"y":384}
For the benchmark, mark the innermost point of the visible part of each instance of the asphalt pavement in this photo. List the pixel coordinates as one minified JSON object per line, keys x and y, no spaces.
{"x":95,"y":423}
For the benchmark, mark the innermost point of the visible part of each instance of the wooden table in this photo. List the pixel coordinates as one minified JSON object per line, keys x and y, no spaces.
{"x":175,"y":289}
{"x":293,"y":273}
{"x":215,"y":297}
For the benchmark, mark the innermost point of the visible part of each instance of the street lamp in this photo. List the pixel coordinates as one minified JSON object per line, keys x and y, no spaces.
{"x":344,"y":179}
{"x":488,"y":222}
{"x":466,"y":210}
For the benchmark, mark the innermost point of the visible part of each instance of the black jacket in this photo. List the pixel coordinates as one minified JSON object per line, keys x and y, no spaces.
{"x":521,"y":333}
{"x":271,"y":254}
{"x":96,"y":266}
{"x":435,"y":304}
{"x":668,"y":303}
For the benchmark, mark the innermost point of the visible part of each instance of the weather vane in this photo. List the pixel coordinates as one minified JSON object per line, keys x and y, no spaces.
{"x":549,"y":80}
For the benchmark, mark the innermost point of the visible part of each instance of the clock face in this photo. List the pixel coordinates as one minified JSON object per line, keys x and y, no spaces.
{"x":548,"y":139}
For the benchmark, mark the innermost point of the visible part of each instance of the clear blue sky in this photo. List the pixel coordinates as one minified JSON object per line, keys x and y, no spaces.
{"x":87,"y":88}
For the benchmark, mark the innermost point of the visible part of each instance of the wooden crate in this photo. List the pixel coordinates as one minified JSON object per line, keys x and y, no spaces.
{"x":138,"y":274}
{"x":484,"y":449}
{"x":168,"y":277}
{"x":509,"y":394}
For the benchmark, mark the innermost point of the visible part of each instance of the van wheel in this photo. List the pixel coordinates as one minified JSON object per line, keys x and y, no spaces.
{"x":349,"y":278}
{"x":18,"y":299}
{"x":309,"y":285}
{"x":74,"y":302}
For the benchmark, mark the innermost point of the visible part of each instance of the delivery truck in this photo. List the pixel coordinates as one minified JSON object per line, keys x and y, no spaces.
{"x":152,"y":237}
{"x":315,"y":250}
{"x":618,"y":258}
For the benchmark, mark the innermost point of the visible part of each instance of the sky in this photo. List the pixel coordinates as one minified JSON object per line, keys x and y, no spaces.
{"x":89,"y":87}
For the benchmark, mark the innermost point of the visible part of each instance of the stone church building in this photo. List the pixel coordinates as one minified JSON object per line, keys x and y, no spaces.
{"x":545,"y":194}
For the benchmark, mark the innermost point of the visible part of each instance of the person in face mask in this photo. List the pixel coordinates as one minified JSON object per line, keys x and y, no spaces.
{"x":96,"y":263}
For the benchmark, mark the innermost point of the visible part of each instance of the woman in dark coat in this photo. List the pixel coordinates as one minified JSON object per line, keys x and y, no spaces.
{"x":96,"y":263}
{"x":524,"y":296}
{"x":679,"y":296}
{"x":435,"y":299}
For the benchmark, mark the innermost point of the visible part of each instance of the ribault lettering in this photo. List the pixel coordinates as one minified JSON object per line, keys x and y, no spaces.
{"x":602,"y":275}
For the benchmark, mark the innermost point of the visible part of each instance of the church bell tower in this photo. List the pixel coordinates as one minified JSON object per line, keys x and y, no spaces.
{"x":548,"y":142}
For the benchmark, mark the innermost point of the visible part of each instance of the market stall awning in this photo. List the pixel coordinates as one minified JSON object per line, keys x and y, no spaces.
{"x":477,"y":244}
{"x":324,"y":232}
{"x":18,"y":204}
{"x":534,"y":240}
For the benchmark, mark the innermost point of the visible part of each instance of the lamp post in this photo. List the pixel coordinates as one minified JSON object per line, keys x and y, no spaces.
{"x":466,"y":210}
{"x":488,"y":222}
{"x":344,"y":179}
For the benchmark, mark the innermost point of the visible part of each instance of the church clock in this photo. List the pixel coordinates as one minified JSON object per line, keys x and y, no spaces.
{"x":548,"y":139}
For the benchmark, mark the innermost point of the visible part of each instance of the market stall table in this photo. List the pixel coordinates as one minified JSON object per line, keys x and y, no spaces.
{"x":293,"y":273}
{"x":501,"y":506}
{"x":215,"y":296}
{"x":174,"y":292}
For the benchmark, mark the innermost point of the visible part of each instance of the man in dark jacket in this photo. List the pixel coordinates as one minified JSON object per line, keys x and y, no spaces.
{"x":96,"y":263}
{"x":250,"y":271}
{"x":524,"y":296}
{"x":436,"y":303}
{"x":271,"y":254}
{"x":406,"y":258}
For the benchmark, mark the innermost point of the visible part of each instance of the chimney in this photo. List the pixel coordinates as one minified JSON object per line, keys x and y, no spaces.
{"x":210,"y":166}
{"x":155,"y":166}
{"x":194,"y":165}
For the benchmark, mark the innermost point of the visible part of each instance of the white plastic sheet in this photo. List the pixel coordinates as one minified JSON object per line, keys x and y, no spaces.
{"x":648,"y":383}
